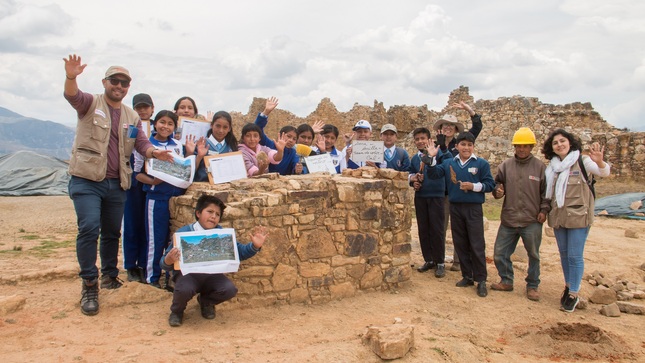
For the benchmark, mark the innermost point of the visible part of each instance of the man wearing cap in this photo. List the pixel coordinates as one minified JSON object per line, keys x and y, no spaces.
{"x":135,"y":244}
{"x":447,"y":128}
{"x":106,"y":133}
{"x":521,"y":180}
{"x":362,"y":132}
{"x":394,"y":157}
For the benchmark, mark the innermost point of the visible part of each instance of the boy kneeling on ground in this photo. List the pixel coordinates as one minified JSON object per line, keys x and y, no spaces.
{"x":211,"y":289}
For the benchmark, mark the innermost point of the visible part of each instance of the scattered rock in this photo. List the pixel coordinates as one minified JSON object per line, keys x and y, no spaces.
{"x":643,"y":266}
{"x":632,"y":286}
{"x":603,"y":212}
{"x":605,"y":281}
{"x":598,"y":274}
{"x":624,"y":295}
{"x":636,"y":205}
{"x":618,"y":287}
{"x":631,"y":308}
{"x":602,"y":295}
{"x":611,"y":310}
{"x":583,"y":303}
{"x":390,"y":342}
{"x":11,"y":304}
{"x":593,"y":282}
{"x":638,"y":294}
{"x":630,"y":233}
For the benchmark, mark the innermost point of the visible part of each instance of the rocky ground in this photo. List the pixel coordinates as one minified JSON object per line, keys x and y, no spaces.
{"x":39,"y":282}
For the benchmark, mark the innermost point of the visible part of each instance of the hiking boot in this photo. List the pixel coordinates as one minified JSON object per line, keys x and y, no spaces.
{"x":135,"y":275}
{"x":426,"y":266}
{"x":109,"y":282}
{"x":500,"y":286}
{"x":532,"y":294}
{"x":90,"y":296}
{"x":570,"y":303}
{"x":481,"y":289}
{"x":465,"y":282}
{"x":208,"y":310}
{"x":440,"y":271}
{"x":565,"y":293}
{"x":175,"y":319}
{"x":455,"y":266}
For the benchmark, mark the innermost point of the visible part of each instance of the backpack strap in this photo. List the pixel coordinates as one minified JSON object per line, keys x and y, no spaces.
{"x":589,"y":182}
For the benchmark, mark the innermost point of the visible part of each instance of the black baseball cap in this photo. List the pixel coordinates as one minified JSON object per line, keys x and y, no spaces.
{"x":142,"y":98}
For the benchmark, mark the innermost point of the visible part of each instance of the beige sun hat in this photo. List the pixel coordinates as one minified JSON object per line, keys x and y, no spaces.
{"x":448,"y":119}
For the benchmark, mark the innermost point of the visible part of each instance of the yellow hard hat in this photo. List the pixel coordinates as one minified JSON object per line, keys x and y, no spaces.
{"x":524,"y":136}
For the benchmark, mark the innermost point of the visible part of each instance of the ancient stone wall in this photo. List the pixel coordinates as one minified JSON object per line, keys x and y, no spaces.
{"x":501,"y":118}
{"x":329,"y":236}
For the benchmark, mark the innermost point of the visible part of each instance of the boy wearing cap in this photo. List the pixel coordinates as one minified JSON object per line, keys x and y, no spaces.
{"x":106,"y":133}
{"x":521,"y":181}
{"x":134,"y":240}
{"x":467,"y":178}
{"x":362,"y":131}
{"x":394,"y":157}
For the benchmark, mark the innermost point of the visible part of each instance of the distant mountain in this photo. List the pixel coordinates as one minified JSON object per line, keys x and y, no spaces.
{"x":18,"y":132}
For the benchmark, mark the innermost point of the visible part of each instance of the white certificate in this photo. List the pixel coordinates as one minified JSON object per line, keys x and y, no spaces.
{"x":179,"y":173}
{"x":192,"y":126}
{"x":211,"y":251}
{"x":363,"y":151}
{"x":320,"y":163}
{"x":224,"y":168}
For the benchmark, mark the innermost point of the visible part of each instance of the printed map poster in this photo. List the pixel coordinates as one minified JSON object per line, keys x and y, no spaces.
{"x":212,"y":251}
{"x":179,"y":173}
{"x":191,"y":126}
{"x":363,"y":151}
{"x":320,"y":163}
{"x":224,"y":168}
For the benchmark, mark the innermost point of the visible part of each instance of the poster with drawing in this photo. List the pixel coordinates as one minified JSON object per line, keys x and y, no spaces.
{"x":179,"y":172}
{"x":320,"y":163}
{"x":363,"y":151}
{"x":212,"y":251}
{"x":224,"y":168}
{"x":191,"y":126}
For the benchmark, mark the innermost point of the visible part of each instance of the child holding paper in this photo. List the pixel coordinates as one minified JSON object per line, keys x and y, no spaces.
{"x":211,"y":289}
{"x":220,"y":139}
{"x":257,"y":157}
{"x":158,"y":193}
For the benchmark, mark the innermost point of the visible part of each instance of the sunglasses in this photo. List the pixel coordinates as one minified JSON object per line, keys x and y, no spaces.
{"x":115,"y":81}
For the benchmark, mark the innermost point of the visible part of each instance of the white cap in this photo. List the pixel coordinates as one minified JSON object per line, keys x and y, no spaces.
{"x":362,"y":124}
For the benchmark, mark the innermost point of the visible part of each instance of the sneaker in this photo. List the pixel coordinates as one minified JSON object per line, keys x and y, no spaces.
{"x":208,"y":310}
{"x":90,"y":297}
{"x":134,"y":274}
{"x":426,"y":266}
{"x":441,"y":271}
{"x":532,"y":294}
{"x":465,"y":282}
{"x":109,"y":282}
{"x":570,"y":303}
{"x":481,"y":289}
{"x":175,"y":319}
{"x":455,"y":266}
{"x":565,"y":293}
{"x":500,"y":286}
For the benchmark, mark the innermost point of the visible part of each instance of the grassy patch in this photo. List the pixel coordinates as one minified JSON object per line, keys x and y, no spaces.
{"x":30,"y":237}
{"x":492,"y":209}
{"x":21,"y":230}
{"x":47,"y":247}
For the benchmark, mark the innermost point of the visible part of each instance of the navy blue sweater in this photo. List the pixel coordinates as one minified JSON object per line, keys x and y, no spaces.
{"x":430,"y":188}
{"x":289,"y":157}
{"x":474,"y":171}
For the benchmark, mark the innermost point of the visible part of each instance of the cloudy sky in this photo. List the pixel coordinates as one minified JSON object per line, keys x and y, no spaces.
{"x":409,"y":52}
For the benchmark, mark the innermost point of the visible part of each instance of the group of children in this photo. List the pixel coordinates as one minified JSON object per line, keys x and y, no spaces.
{"x":434,"y":173}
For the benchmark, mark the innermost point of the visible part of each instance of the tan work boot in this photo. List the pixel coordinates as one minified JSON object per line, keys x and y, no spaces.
{"x":532,"y":294}
{"x":500,"y":286}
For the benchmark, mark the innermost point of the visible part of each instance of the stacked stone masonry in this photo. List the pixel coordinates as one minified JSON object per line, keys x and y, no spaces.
{"x":502,"y":117}
{"x":329,"y":235}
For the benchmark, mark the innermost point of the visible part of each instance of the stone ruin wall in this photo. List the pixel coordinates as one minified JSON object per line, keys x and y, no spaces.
{"x":329,"y":236}
{"x":502,"y":117}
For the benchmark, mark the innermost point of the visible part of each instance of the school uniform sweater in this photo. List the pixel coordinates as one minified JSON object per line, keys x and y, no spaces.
{"x":399,"y":161}
{"x":475,"y":170}
{"x":430,"y":188}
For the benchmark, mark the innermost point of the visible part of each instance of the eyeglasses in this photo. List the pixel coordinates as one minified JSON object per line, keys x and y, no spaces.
{"x":115,"y":81}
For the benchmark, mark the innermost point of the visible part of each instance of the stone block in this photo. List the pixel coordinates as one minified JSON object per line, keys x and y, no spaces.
{"x":624,"y":296}
{"x":631,"y":233}
{"x":390,"y":342}
{"x":255,"y":271}
{"x":603,"y":296}
{"x":11,"y":304}
{"x":315,"y":243}
{"x":342,"y":291}
{"x":373,"y":278}
{"x":299,"y":295}
{"x":611,"y":310}
{"x":306,"y":218}
{"x":320,"y":281}
{"x":397,"y":274}
{"x":359,"y":244}
{"x":342,"y":260}
{"x":314,"y":269}
{"x":631,"y":308}
{"x":402,"y":249}
{"x":284,"y":277}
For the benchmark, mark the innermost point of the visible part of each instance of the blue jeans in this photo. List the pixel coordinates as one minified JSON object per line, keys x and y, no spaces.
{"x":99,"y":211}
{"x":505,"y":244}
{"x":571,"y":244}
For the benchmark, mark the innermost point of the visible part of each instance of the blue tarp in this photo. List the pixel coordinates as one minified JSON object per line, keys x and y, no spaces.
{"x":618,"y":205}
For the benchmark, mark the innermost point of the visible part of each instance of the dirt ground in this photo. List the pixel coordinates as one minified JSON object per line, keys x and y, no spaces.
{"x":451,"y":324}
